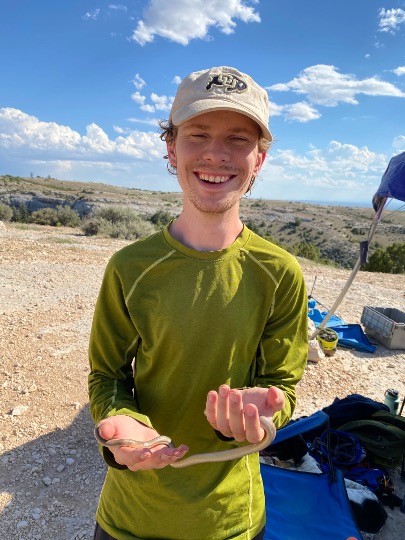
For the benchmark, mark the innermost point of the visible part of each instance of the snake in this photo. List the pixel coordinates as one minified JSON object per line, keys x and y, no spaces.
{"x":209,"y":457}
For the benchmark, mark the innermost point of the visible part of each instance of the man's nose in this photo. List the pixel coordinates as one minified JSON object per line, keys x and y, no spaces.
{"x":216,"y":151}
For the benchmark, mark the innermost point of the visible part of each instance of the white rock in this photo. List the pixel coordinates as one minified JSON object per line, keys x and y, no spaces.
{"x":19,"y":410}
{"x":47,"y":481}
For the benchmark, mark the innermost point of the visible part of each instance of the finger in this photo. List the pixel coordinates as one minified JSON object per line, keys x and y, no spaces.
{"x":236,"y":416}
{"x":159,"y":459}
{"x":275,"y":399}
{"x":106,"y":429}
{"x":223,"y":411}
{"x":211,"y":408}
{"x":254,"y":431}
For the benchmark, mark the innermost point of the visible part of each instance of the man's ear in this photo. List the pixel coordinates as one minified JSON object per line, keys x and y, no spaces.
{"x":261,"y":156}
{"x":171,"y":153}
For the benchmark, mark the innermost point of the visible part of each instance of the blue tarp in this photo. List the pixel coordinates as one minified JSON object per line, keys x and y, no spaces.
{"x":393,"y":180}
{"x":352,"y":336}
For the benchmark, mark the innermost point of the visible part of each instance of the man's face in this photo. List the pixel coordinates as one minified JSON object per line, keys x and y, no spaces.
{"x":216,"y":155}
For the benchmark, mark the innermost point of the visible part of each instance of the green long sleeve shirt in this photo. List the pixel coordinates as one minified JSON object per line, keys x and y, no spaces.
{"x":171,"y":324}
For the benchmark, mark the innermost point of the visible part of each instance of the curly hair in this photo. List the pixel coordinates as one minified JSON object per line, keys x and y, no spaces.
{"x":169,"y":135}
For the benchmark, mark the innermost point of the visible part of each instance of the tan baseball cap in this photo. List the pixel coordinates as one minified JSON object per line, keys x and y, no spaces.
{"x":221,"y":89}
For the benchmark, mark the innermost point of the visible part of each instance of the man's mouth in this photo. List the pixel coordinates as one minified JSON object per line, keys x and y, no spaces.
{"x":214,"y":179}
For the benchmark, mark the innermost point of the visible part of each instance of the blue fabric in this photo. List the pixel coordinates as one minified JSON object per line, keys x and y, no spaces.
{"x":352,"y":336}
{"x":318,"y":316}
{"x":306,"y":506}
{"x":393,"y":180}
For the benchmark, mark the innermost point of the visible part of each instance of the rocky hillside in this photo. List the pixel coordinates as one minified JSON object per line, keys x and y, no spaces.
{"x":335,"y":230}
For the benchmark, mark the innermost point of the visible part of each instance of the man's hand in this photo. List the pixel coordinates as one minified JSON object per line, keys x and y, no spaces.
{"x":125,"y":427}
{"x":235,"y":413}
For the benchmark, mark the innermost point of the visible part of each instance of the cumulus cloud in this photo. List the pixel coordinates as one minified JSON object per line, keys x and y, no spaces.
{"x":182,"y":21}
{"x":138,"y":82}
{"x":301,"y":112}
{"x":22,"y":133}
{"x":399,"y":71}
{"x":390,"y":20}
{"x":352,"y":169}
{"x":157,"y":103}
{"x":324,"y":85}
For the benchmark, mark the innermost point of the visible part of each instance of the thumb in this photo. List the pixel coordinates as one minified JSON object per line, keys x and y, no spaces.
{"x":275,"y":399}
{"x":106,"y":429}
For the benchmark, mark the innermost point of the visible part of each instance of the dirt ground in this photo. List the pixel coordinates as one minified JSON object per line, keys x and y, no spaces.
{"x":50,"y":469}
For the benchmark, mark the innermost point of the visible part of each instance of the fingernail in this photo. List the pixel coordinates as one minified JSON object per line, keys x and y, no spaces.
{"x":223,"y":392}
{"x":233,"y":397}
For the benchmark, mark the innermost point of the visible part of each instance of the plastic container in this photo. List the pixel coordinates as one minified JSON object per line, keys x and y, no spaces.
{"x":386,"y":325}
{"x":328,"y":339}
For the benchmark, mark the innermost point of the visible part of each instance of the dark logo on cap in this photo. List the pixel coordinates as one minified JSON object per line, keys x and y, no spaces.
{"x":228,"y":82}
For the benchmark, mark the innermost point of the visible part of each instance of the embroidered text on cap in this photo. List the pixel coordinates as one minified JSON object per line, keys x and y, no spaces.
{"x":228,"y":82}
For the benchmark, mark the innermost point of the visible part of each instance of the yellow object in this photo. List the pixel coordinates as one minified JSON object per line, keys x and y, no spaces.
{"x":328,"y":339}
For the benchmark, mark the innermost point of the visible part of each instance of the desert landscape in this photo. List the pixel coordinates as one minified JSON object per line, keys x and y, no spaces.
{"x":50,"y":468}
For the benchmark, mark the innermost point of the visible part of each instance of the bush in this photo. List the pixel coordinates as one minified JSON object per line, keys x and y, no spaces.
{"x":21,"y":214}
{"x":116,"y":222}
{"x":389,"y":261}
{"x":6,"y":212}
{"x":307,"y":251}
{"x":45,"y":216}
{"x":67,"y":216}
{"x":161,"y":218}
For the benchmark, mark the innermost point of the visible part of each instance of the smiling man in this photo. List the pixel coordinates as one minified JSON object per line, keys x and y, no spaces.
{"x":198,"y":331}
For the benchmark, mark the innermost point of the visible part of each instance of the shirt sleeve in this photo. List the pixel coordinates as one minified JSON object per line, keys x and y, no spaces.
{"x":112,"y":348}
{"x":283,"y":350}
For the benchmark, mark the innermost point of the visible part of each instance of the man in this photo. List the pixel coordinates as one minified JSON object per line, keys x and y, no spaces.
{"x":198,"y":331}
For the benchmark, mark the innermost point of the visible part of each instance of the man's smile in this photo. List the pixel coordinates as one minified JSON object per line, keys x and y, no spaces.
{"x":213,"y":179}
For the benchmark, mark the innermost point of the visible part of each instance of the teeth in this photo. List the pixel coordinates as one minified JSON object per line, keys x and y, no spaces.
{"x":214,"y":179}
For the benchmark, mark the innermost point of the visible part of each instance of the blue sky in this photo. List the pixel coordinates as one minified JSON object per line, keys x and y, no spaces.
{"x":84,"y":82}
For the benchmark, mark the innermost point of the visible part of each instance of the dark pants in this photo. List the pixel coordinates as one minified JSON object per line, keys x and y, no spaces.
{"x":99,"y":534}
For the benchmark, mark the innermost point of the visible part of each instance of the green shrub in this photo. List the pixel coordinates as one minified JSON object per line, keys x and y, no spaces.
{"x":389,"y":261}
{"x":45,"y":216}
{"x":67,"y":216}
{"x":117,"y":222}
{"x":21,"y":214}
{"x":6,"y":212}
{"x":161,"y":218}
{"x":307,"y":251}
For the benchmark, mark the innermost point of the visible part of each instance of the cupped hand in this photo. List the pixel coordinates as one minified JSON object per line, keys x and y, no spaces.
{"x":126,"y":427}
{"x":235,"y":412}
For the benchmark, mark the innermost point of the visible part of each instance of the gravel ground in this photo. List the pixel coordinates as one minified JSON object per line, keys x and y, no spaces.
{"x":50,"y":469}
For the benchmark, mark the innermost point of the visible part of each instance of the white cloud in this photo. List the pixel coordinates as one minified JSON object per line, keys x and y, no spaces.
{"x":25,"y":135}
{"x":181,"y":20}
{"x":138,"y":82}
{"x":345,"y":171}
{"x":399,"y":143}
{"x":301,"y":112}
{"x":118,"y":7}
{"x":176,"y":79}
{"x":390,"y":20}
{"x":400,"y":70}
{"x":159,"y":103}
{"x":324,"y":85}
{"x":91,"y":15}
